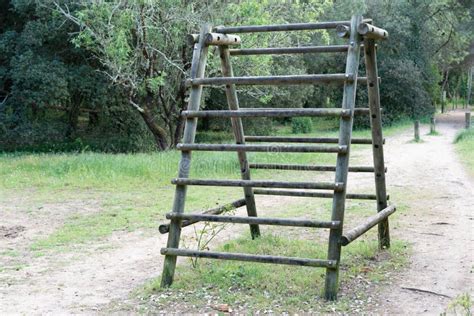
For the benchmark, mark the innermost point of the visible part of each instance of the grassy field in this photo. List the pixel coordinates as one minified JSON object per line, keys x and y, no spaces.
{"x":259,"y":287}
{"x":134,"y":190}
{"x":464,"y":143}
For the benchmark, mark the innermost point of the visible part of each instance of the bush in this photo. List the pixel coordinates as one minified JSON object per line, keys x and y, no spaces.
{"x":301,"y":125}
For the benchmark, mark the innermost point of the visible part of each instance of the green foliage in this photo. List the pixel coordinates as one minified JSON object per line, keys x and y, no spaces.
{"x":57,"y":62}
{"x":301,"y":125}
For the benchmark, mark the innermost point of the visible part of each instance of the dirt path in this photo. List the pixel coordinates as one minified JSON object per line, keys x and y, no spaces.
{"x":439,"y":224}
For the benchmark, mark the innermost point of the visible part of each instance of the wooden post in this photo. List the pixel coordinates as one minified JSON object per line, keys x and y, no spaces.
{"x":469,"y":86}
{"x":443,"y":94}
{"x":377,"y":139}
{"x":197,"y":71}
{"x":417,"y":131}
{"x":342,"y":165}
{"x":432,"y":125}
{"x":238,"y":130}
{"x":468,"y":120}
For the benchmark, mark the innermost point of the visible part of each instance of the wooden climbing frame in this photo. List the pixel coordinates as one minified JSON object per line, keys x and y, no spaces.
{"x":359,"y":33}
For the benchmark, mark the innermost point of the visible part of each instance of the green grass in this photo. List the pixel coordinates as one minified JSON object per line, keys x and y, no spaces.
{"x":276,"y":287}
{"x":133,"y":190}
{"x":464,"y":143}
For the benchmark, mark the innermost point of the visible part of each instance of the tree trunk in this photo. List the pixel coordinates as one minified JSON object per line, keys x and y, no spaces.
{"x":158,"y":132}
{"x":73,"y":120}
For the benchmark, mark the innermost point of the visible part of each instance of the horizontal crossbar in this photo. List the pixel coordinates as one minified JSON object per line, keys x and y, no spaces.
{"x":311,"y":140}
{"x":254,"y":220}
{"x":370,"y":222}
{"x":164,"y":228}
{"x":249,"y":257}
{"x":263,"y":148}
{"x":353,"y":196}
{"x":338,"y":186}
{"x":289,"y":50}
{"x":283,"y":27}
{"x":275,"y":166}
{"x":276,"y":80}
{"x":268,"y":112}
{"x":272,"y":80}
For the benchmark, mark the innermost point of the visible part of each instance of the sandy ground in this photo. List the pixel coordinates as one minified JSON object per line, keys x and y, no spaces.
{"x":439,"y":226}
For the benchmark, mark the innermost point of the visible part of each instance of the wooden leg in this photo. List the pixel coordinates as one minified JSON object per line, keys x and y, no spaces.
{"x":238,"y":130}
{"x":342,"y":165}
{"x":197,"y":71}
{"x":377,"y":138}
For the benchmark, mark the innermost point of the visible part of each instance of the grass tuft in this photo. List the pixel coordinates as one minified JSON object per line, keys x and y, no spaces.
{"x":464,"y":143}
{"x":277,"y":287}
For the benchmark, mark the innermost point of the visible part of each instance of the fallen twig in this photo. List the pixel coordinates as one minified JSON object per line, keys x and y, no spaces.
{"x":424,"y":291}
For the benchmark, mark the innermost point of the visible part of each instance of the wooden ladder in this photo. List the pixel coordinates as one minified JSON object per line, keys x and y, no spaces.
{"x":358,"y":32}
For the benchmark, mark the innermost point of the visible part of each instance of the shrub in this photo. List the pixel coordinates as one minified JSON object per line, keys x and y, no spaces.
{"x":301,"y":125}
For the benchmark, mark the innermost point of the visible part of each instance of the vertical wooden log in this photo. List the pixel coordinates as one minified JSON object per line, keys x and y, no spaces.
{"x":237,"y":127}
{"x":377,"y":138}
{"x":442,"y":101}
{"x":197,"y":71}
{"x":470,"y":73}
{"x":417,"y":130}
{"x":432,"y":125}
{"x":468,"y":120}
{"x":342,"y":165}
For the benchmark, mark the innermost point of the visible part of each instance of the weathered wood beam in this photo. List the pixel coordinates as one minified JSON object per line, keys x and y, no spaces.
{"x":298,"y":193}
{"x":342,"y":164}
{"x":289,"y":50}
{"x":311,"y":140}
{"x":371,"y":32}
{"x":261,"y":184}
{"x":263,"y":148}
{"x":370,"y":222}
{"x":215,"y":39}
{"x":247,"y":257}
{"x":164,"y":228}
{"x":272,"y":80}
{"x":268,"y":112}
{"x":198,"y":67}
{"x":254,"y":220}
{"x":276,"y":166}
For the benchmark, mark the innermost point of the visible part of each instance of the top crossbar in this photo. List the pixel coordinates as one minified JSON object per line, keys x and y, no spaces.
{"x":283,"y":27}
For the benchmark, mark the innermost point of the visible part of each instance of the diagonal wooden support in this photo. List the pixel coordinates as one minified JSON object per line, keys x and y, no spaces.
{"x":239,"y":136}
{"x":377,"y":138}
{"x":342,"y":165}
{"x":197,"y":71}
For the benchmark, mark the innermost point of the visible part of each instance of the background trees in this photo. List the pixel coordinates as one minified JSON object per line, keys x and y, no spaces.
{"x":109,"y":75}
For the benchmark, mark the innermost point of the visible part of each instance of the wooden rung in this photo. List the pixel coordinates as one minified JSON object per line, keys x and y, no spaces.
{"x":370,"y":222}
{"x":353,"y":196}
{"x":164,"y":228}
{"x":276,"y":80}
{"x":289,"y":50}
{"x":254,"y":220}
{"x":312,"y":140}
{"x":249,"y":257}
{"x":268,"y":112}
{"x":263,"y":148}
{"x":363,"y":111}
{"x":294,"y":167}
{"x":272,"y":80}
{"x":338,"y":186}
{"x":283,"y":27}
